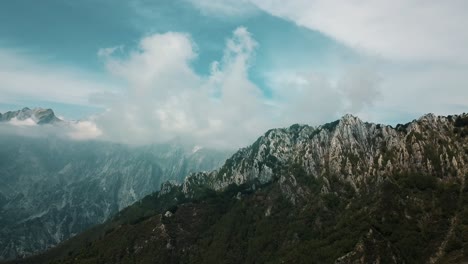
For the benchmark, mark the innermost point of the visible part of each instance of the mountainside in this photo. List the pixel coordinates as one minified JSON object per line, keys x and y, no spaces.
{"x":53,"y":189}
{"x":344,"y":192}
{"x":39,"y":116}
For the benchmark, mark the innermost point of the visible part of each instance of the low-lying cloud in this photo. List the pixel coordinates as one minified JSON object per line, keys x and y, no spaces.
{"x":74,"y":130}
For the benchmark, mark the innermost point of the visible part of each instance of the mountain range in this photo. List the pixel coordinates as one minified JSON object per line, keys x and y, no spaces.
{"x":54,"y":188}
{"x":343,"y":192}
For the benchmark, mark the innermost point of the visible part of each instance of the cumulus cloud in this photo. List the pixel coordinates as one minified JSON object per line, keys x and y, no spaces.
{"x":166,"y":99}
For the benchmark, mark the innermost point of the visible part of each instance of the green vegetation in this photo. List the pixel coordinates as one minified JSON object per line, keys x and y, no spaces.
{"x":406,"y":217}
{"x":330,"y":126}
{"x":461,"y":121}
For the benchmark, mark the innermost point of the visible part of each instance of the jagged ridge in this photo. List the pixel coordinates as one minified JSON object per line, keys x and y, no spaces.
{"x":356,"y":151}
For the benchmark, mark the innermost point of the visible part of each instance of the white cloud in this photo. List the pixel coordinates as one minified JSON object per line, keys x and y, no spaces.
{"x":361,"y":87}
{"x":313,"y":98}
{"x":83,"y":130}
{"x":74,"y":130}
{"x":402,"y":30}
{"x":106,"y":52}
{"x":225,"y":7}
{"x":26,"y":122}
{"x":23,"y":78}
{"x":167,"y":99}
{"x":397,"y":30}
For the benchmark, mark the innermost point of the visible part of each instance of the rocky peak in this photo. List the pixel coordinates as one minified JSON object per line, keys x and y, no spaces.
{"x":350,"y":149}
{"x":349,"y":118}
{"x":39,"y":115}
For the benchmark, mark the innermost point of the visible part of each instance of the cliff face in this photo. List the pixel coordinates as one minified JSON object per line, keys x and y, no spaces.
{"x":343,"y":192}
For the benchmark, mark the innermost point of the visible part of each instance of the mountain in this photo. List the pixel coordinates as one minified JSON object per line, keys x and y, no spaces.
{"x":38,"y":116}
{"x":344,"y":192}
{"x":52,"y":188}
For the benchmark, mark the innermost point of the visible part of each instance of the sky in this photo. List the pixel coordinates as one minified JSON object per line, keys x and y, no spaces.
{"x":219,"y":73}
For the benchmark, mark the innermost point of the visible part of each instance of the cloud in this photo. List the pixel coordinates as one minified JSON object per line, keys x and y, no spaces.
{"x":304,"y":97}
{"x":24,"y":78}
{"x":159,"y":58}
{"x":314,"y":98}
{"x":106,"y":52}
{"x":26,"y":122}
{"x":166,"y":99}
{"x":83,"y":130}
{"x":418,"y":49}
{"x":67,"y":130}
{"x":224,"y":8}
{"x":397,"y":30}
{"x":361,"y":87}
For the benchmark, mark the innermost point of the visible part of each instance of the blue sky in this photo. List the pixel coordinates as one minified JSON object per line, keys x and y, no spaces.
{"x":71,"y":32}
{"x":301,"y":61}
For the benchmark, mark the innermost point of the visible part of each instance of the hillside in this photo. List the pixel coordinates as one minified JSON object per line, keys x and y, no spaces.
{"x":344,"y":192}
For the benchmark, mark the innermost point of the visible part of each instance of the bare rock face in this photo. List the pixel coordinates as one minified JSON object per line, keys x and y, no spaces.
{"x":355,"y":151}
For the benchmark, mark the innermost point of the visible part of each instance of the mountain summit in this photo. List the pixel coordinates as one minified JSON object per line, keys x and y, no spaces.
{"x":39,"y":116}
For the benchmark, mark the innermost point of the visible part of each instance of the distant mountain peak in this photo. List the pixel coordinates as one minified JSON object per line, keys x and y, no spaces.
{"x":39,"y":115}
